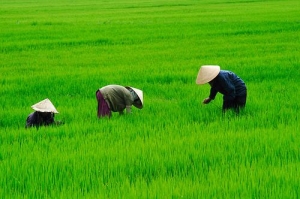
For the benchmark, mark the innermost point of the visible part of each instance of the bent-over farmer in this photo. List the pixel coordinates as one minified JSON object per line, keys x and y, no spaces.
{"x":116,"y":98}
{"x":225,"y":82}
{"x":43,"y":115}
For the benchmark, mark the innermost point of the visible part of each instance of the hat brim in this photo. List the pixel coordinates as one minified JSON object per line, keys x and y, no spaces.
{"x":140,"y":96}
{"x":207,"y":73}
{"x":44,"y":106}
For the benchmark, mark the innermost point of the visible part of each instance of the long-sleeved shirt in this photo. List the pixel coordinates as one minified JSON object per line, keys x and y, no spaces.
{"x":118,"y":97}
{"x":228,"y":84}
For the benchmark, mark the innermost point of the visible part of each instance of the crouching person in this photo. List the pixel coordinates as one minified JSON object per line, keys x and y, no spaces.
{"x":225,"y":82}
{"x":43,"y":115}
{"x":116,"y":98}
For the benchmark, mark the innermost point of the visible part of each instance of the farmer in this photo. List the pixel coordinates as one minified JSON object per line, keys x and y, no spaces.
{"x":116,"y":98}
{"x":43,"y":115}
{"x":225,"y":82}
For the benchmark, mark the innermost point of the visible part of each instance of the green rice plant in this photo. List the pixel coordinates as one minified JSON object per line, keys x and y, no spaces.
{"x":175,"y":147}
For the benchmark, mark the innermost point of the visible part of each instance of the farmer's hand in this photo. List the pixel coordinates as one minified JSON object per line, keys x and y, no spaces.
{"x":128,"y":109}
{"x":59,"y":123}
{"x":206,"y":100}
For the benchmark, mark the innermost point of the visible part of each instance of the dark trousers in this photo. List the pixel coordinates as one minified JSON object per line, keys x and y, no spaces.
{"x":236,"y":104}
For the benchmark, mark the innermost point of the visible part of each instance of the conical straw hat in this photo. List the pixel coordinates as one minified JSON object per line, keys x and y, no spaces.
{"x":207,"y":73}
{"x":44,"y":106}
{"x":139,"y":94}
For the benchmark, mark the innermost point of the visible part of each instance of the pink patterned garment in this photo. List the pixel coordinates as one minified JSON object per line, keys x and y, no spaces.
{"x":103,"y":108}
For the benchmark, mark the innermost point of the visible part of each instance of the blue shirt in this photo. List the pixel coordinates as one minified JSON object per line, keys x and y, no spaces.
{"x":228,"y":84}
{"x":38,"y":119}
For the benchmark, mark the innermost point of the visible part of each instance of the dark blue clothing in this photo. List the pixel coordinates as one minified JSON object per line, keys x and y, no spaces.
{"x":232,"y":87}
{"x":39,"y":119}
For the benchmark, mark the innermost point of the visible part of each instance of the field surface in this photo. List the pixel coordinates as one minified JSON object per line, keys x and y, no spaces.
{"x":175,"y":147}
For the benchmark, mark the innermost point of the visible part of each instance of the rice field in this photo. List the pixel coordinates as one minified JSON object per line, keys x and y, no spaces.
{"x":175,"y":147}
